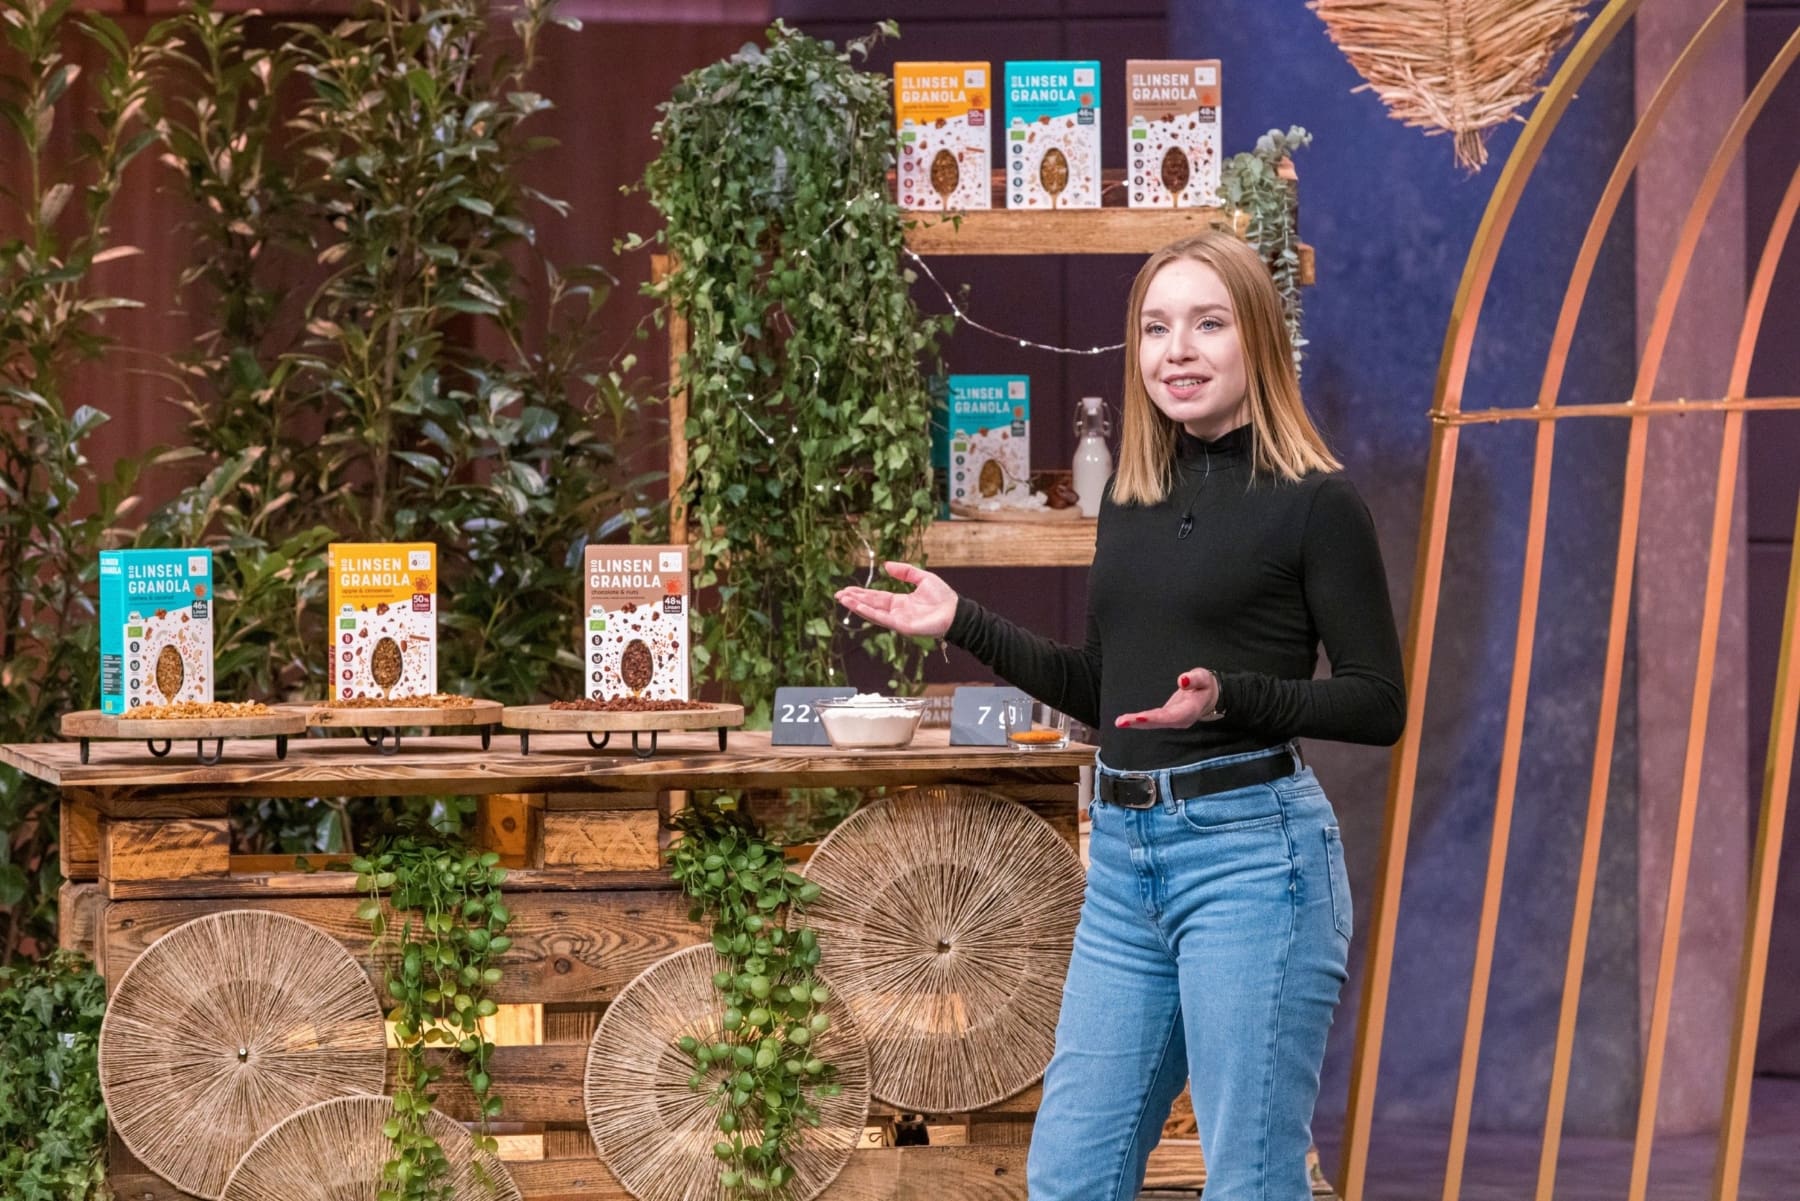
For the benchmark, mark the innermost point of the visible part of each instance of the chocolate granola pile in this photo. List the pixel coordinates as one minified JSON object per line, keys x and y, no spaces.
{"x":629,"y":704}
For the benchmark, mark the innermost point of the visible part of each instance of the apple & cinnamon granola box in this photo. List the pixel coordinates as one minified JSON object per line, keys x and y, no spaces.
{"x":1053,"y":135}
{"x":156,"y":634}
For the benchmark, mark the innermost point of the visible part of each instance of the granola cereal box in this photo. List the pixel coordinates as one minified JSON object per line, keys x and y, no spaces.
{"x":981,"y":439}
{"x":156,"y":634}
{"x":1172,"y":132}
{"x":383,"y":619}
{"x":1053,"y":135}
{"x":943,"y":116}
{"x":635,"y":636}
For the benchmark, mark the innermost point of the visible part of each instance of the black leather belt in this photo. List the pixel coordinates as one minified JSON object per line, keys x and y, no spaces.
{"x":1135,"y":791}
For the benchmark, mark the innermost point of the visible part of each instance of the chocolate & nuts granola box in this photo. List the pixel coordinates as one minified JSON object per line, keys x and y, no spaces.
{"x":383,"y":619}
{"x":635,"y":634}
{"x":1172,"y":132}
{"x":156,"y":634}
{"x":1053,"y":135}
{"x":943,"y":115}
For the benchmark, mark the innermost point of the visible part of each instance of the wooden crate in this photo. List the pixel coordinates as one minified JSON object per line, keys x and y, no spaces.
{"x":582,"y":832}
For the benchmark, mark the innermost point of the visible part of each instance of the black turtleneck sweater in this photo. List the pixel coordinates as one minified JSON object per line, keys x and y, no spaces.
{"x":1270,"y":570}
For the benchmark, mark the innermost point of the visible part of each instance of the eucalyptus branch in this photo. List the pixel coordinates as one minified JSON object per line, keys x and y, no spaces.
{"x":1252,"y":183}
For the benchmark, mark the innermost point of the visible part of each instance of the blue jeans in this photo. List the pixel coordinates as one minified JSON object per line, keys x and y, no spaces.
{"x":1211,"y":947}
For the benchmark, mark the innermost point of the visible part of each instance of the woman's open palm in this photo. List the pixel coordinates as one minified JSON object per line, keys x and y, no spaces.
{"x":926,"y":610}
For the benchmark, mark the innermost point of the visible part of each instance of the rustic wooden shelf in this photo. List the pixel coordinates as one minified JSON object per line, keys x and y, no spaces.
{"x":146,"y":847}
{"x":1065,"y":231}
{"x":1109,"y":229}
{"x":1006,"y":544}
{"x":123,"y":780}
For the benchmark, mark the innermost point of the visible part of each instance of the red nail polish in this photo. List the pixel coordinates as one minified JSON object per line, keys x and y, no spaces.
{"x":1184,"y":681}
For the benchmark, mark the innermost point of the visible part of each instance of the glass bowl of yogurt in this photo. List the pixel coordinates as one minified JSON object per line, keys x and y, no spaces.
{"x":870,"y":721}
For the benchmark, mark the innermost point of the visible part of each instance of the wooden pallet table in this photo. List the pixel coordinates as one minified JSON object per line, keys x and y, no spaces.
{"x":147,"y":847}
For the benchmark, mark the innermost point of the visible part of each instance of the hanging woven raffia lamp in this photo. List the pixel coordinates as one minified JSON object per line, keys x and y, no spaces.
{"x":1451,"y":66}
{"x":656,"y":1133}
{"x":334,"y":1151}
{"x":223,"y":1027}
{"x":948,"y":915}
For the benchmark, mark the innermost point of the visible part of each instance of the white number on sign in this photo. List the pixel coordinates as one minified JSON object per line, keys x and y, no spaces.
{"x":797,"y":714}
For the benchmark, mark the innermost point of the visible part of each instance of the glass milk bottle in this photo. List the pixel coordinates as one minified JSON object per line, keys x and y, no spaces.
{"x":1093,"y":462}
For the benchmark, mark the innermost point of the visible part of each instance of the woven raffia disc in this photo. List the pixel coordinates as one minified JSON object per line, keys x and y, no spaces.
{"x":948,"y":916}
{"x":225,"y":1026}
{"x":657,"y":1134}
{"x":334,"y":1151}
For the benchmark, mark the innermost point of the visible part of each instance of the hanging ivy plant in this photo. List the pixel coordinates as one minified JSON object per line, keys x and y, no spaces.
{"x":808,"y":435}
{"x":441,"y":964}
{"x":1251,"y":182}
{"x":764,"y":1072}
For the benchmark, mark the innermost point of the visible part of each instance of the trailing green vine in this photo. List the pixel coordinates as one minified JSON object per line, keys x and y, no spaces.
{"x":1252,"y":183}
{"x":763,"y":1076}
{"x":441,"y":966}
{"x":808,"y":435}
{"x":52,"y":1119}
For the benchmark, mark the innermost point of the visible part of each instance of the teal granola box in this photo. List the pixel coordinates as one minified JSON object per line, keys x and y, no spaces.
{"x":156,"y":635}
{"x":981,"y":440}
{"x":1053,"y":135}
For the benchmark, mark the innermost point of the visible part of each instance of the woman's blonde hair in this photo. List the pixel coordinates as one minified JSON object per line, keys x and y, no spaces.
{"x":1283,"y":439}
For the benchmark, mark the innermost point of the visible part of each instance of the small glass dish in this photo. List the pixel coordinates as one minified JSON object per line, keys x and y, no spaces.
{"x":867,"y":722}
{"x":1033,"y":726}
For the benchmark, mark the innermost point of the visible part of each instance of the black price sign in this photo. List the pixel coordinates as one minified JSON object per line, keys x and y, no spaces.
{"x":795,"y":722}
{"x":975,"y":715}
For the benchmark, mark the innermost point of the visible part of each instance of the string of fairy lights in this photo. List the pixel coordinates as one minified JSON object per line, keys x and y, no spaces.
{"x":963,"y":316}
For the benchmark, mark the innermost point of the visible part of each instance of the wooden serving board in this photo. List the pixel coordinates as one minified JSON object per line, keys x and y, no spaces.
{"x":543,"y":717}
{"x":91,"y":723}
{"x":963,"y":512}
{"x":481,"y":713}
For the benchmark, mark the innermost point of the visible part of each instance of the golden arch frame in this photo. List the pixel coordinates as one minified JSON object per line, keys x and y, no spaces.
{"x":1448,"y":419}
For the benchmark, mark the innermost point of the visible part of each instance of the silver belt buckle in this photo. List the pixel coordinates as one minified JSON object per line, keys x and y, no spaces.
{"x":1134,"y":790}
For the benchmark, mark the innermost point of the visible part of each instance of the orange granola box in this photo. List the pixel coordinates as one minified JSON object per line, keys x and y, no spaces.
{"x":383,"y":619}
{"x":943,"y":114}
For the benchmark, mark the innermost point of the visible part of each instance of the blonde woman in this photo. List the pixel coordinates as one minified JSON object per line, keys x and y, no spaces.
{"x":1216,"y":926}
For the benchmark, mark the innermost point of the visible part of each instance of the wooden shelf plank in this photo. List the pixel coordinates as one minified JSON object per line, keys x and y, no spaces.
{"x":124,"y":781}
{"x":1066,"y":231}
{"x":1006,"y":544}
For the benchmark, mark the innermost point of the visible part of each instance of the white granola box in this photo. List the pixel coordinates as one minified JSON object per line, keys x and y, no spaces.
{"x":1053,"y":135}
{"x":635,"y":635}
{"x":1172,"y":132}
{"x":943,"y":119}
